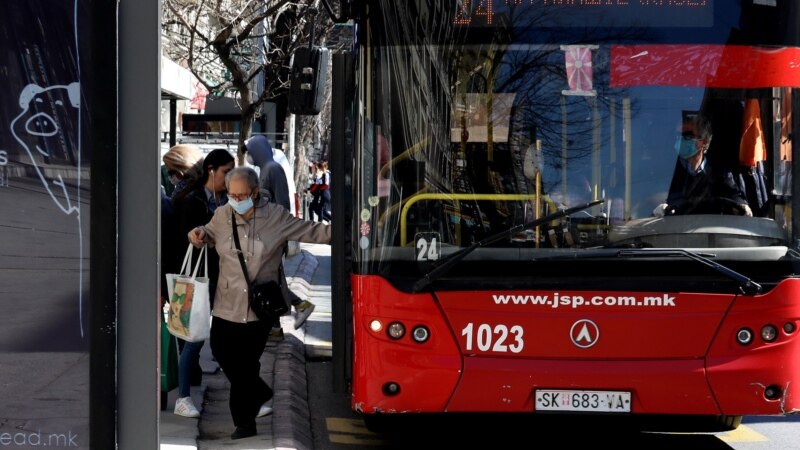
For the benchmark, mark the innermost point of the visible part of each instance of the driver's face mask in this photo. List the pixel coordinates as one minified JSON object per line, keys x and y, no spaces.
{"x":690,"y":143}
{"x":686,"y":147}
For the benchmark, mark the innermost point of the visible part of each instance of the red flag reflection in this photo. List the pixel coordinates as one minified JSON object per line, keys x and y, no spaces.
{"x":724,"y":66}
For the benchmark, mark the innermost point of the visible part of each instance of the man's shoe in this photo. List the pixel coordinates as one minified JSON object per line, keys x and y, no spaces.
{"x":275,"y":335}
{"x":185,"y":407}
{"x":264,"y":410}
{"x":303,"y":310}
{"x":243,"y":432}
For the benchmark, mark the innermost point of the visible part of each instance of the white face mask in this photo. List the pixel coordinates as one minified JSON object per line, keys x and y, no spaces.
{"x":174,"y":180}
{"x":249,"y":159}
{"x":241,"y":207}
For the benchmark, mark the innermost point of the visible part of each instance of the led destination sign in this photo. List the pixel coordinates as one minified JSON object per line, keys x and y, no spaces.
{"x":578,"y":13}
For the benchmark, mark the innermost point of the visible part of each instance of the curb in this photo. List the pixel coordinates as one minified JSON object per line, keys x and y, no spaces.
{"x":292,"y":418}
{"x":291,"y":426}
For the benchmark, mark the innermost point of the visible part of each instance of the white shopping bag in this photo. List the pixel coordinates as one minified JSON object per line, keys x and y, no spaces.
{"x":190,"y":306}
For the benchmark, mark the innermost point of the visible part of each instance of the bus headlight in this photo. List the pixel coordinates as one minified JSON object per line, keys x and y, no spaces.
{"x":769,"y":333}
{"x":396,"y":330}
{"x":789,"y":327}
{"x":376,"y":325}
{"x":420,"y":334}
{"x":744,"y":336}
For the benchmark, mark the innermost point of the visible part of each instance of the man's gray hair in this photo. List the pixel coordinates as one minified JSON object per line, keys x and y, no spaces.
{"x":702,"y":126}
{"x":243,"y":173}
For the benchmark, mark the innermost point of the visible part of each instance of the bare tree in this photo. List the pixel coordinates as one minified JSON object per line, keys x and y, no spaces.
{"x":241,"y":48}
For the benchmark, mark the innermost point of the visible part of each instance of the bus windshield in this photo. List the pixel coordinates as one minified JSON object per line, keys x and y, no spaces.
{"x":481,"y":117}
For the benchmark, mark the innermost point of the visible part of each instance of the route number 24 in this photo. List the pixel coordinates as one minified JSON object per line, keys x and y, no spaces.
{"x":501,"y":338}
{"x":428,"y":246}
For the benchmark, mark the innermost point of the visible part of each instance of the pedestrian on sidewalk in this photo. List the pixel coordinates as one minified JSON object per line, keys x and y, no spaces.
{"x":238,"y":337}
{"x":184,"y":166}
{"x":195,"y":206}
{"x":322,"y":195}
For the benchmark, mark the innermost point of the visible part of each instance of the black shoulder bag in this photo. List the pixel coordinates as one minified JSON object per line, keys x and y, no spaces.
{"x":265,"y":299}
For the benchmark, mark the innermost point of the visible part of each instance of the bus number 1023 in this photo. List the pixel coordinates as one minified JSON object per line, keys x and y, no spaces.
{"x":498,"y":338}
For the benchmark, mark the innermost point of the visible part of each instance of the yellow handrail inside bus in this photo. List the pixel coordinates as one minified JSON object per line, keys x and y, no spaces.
{"x":446,"y":196}
{"x":397,"y":206}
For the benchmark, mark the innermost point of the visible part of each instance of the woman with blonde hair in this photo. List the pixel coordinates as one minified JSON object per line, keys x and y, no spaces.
{"x":184,"y":166}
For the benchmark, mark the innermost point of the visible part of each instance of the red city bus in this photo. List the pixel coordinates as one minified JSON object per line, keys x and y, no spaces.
{"x":570,"y":207}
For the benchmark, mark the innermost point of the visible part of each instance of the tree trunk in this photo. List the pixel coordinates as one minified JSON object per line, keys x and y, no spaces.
{"x":248,"y":117}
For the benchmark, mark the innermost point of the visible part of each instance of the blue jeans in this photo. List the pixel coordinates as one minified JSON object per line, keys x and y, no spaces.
{"x":190,"y":355}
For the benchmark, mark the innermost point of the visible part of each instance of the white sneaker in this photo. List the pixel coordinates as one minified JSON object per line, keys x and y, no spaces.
{"x":184,"y":407}
{"x":264,"y":411}
{"x":303,"y":310}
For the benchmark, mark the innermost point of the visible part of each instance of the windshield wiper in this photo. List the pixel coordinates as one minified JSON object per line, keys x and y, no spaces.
{"x":448,"y":262}
{"x":746,"y":285}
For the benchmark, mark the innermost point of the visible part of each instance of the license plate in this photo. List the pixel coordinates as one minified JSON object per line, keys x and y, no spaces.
{"x":592,"y":401}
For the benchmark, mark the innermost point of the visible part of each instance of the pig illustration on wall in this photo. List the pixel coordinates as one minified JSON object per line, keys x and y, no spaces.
{"x":44,"y":130}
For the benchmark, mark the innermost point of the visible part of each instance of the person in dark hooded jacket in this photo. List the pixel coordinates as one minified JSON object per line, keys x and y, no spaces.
{"x":272,"y":179}
{"x":271,"y":175}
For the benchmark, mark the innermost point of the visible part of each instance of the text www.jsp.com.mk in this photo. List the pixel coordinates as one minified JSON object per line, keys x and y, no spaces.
{"x":576,"y":301}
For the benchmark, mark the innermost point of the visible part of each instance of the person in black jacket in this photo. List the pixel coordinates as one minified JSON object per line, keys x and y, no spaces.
{"x":194,"y":207}
{"x":698,"y":186}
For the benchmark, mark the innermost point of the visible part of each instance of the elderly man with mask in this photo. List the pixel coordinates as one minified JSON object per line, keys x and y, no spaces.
{"x":238,"y":336}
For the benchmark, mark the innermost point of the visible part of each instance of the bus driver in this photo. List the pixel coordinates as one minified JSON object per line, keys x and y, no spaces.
{"x":699,"y":186}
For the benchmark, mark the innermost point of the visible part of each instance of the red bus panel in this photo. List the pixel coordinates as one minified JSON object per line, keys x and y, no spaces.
{"x":585,"y":325}
{"x":425,"y":373}
{"x":739,"y":374}
{"x":508,"y":385}
{"x":675,"y":353}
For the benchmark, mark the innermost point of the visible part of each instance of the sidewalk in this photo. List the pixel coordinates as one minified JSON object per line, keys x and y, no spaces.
{"x":289,"y":427}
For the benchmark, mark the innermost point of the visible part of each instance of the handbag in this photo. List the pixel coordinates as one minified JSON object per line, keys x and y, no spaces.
{"x":265,"y":299}
{"x":189,"y":315}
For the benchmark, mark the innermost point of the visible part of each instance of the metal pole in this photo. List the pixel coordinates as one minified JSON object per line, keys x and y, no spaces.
{"x":138,"y":214}
{"x":173,"y":121}
{"x":342,"y":209}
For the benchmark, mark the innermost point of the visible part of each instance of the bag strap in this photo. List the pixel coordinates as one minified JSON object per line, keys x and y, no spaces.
{"x":204,"y":256}
{"x":239,"y":248}
{"x":186,"y":266}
